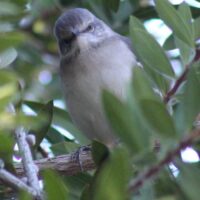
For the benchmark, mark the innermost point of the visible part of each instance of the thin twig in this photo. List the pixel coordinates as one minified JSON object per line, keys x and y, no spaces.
{"x":9,"y":178}
{"x":27,"y":160}
{"x":177,"y":84}
{"x":154,"y":170}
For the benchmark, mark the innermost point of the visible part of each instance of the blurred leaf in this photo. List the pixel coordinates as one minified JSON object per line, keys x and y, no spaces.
{"x":186,"y":15}
{"x":150,"y":106}
{"x":54,"y":187}
{"x":197,"y":28}
{"x":173,"y":19}
{"x":76,"y":184}
{"x":7,"y":91}
{"x":25,"y":196}
{"x":99,"y":152}
{"x":11,"y":39}
{"x":186,"y":52}
{"x":6,"y":147}
{"x":115,"y":173}
{"x":169,"y":43}
{"x":112,"y":4}
{"x":149,"y":51}
{"x":8,"y":8}
{"x":45,"y":114}
{"x":61,"y":118}
{"x":141,"y":85}
{"x":158,"y":118}
{"x":7,"y":57}
{"x":190,"y":105}
{"x":64,"y":147}
{"x":189,"y":180}
{"x":121,"y":120}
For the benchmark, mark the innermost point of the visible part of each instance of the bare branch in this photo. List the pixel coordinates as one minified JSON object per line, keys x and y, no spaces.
{"x":15,"y":182}
{"x":27,"y":160}
{"x":64,"y":164}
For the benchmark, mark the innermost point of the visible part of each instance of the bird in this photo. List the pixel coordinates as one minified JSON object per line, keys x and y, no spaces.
{"x":93,"y":58}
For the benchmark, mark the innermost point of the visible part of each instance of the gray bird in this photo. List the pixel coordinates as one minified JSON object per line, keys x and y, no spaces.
{"x":93,"y":57}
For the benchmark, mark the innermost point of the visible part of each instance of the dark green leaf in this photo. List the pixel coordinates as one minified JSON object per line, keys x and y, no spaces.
{"x":121,"y":120}
{"x":99,"y":152}
{"x":172,"y":18}
{"x":158,"y":118}
{"x":112,"y":4}
{"x":149,"y":51}
{"x":113,"y":178}
{"x":189,"y":180}
{"x":76,"y":184}
{"x":45,"y":114}
{"x":54,"y":187}
{"x":169,"y":43}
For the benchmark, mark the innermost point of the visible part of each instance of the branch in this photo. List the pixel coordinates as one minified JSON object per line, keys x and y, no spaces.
{"x":180,"y":80}
{"x":154,"y":170}
{"x":177,"y":84}
{"x":9,"y":178}
{"x":64,"y":164}
{"x":27,"y":160}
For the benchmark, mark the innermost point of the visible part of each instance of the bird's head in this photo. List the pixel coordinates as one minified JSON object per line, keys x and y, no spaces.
{"x":79,"y":30}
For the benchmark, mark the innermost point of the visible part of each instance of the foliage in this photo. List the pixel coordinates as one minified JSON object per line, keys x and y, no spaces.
{"x":162,"y":105}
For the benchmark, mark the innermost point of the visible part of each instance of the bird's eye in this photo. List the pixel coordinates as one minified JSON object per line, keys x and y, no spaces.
{"x":90,"y":28}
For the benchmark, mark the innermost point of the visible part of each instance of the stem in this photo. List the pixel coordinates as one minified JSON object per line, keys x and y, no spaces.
{"x":154,"y":170}
{"x":27,"y":160}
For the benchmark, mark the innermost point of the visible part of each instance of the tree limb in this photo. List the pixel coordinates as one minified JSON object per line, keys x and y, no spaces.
{"x":64,"y":164}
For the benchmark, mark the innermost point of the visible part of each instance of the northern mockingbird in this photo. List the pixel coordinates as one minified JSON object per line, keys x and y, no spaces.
{"x":93,"y":57}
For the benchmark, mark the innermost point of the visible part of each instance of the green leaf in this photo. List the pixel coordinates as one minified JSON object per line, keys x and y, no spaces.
{"x":61,"y":118}
{"x":186,"y":52}
{"x":76,"y":184}
{"x":197,"y":28}
{"x":6,"y":147}
{"x":190,"y":104}
{"x":45,"y":114}
{"x":158,"y":118}
{"x":7,"y":57}
{"x":112,"y":4}
{"x":99,"y":152}
{"x":112,"y":180}
{"x":11,"y":39}
{"x":8,"y":8}
{"x":141,"y":85}
{"x":64,"y":148}
{"x":189,"y":180}
{"x":174,"y":20}
{"x":54,"y":186}
{"x":185,"y":13}
{"x":149,"y":51}
{"x":121,"y":120}
{"x":25,"y":196}
{"x":169,"y":43}
{"x":136,"y":23}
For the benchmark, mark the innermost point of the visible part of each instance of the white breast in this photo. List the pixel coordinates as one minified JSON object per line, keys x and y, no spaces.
{"x":108,"y":67}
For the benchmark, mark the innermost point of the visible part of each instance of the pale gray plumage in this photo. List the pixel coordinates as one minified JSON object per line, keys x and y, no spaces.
{"x":93,"y":57}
